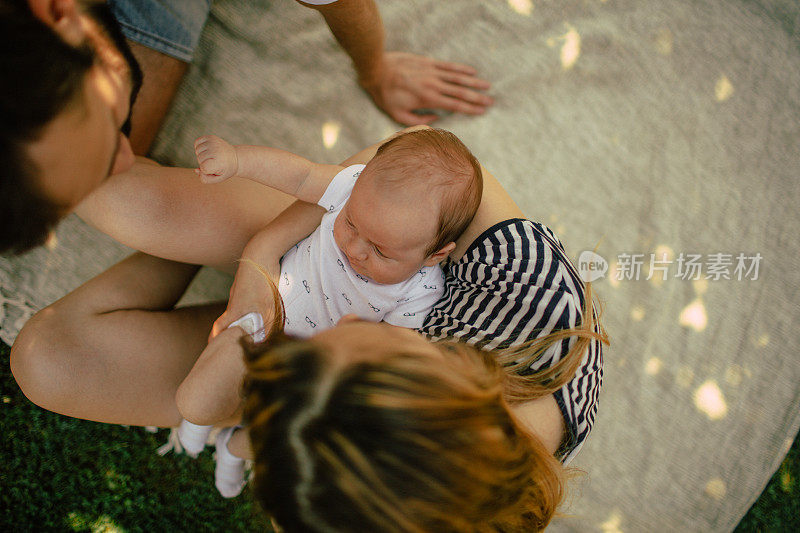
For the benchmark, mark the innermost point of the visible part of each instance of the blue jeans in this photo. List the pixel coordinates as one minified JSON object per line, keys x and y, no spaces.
{"x":170,"y":27}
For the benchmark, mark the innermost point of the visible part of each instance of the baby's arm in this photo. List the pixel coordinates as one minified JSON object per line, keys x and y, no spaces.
{"x":211,"y":391}
{"x":219,"y":160}
{"x":262,"y":256}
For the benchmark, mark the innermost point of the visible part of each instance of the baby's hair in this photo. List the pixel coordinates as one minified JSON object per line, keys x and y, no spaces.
{"x":438,"y":159}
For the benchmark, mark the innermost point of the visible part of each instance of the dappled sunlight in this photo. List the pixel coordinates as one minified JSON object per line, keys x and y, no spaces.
{"x":694,"y":316}
{"x":102,"y":524}
{"x":723,"y":89}
{"x":52,"y":241}
{"x":523,"y":7}
{"x":613,"y":274}
{"x":762,"y":340}
{"x":709,"y":400}
{"x":664,"y":42}
{"x":653,"y":366}
{"x":330,"y":134}
{"x":612,"y":525}
{"x":700,"y":286}
{"x":571,"y":49}
{"x":637,"y":313}
{"x":734,"y":375}
{"x":716,"y":488}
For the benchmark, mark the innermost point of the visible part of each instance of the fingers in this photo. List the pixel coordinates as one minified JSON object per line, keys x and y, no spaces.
{"x":208,"y":149}
{"x":210,"y":171}
{"x":420,"y":82}
{"x":455,"y":67}
{"x":462,"y":100}
{"x":464,"y":80}
{"x":205,"y":140}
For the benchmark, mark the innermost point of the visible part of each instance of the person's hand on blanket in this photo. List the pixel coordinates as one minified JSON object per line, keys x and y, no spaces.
{"x":408,"y":82}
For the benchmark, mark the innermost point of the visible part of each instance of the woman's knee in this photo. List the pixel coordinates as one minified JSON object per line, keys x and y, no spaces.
{"x":38,"y":358}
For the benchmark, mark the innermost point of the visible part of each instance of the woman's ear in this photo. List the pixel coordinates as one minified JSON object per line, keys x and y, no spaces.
{"x":62,"y":16}
{"x":437,"y":257}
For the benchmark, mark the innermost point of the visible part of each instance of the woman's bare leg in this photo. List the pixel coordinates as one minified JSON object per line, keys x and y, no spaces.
{"x":115,"y":350}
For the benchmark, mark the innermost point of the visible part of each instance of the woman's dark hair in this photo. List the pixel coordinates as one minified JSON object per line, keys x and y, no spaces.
{"x":42,"y":75}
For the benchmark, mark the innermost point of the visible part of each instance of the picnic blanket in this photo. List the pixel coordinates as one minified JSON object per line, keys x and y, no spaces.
{"x":661,"y":135}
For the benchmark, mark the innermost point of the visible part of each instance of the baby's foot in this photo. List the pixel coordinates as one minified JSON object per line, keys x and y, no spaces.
{"x":193,"y":437}
{"x":229,"y":472}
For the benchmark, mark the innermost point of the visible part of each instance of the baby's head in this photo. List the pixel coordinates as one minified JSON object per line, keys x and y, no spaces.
{"x":410,"y":204}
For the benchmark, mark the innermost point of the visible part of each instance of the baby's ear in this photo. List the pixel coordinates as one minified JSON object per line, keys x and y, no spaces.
{"x":437,"y":257}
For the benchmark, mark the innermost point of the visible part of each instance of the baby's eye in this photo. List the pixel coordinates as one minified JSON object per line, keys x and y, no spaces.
{"x":377,"y":251}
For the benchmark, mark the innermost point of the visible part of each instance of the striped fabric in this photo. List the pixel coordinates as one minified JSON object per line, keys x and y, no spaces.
{"x":514,"y":284}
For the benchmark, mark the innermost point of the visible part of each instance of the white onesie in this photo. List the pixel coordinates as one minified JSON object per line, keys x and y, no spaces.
{"x":318,"y":286}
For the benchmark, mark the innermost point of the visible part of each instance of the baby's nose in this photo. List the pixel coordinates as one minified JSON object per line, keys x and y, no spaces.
{"x":356,"y":250}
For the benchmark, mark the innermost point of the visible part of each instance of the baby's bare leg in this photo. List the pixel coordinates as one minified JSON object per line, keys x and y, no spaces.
{"x":211,"y":391}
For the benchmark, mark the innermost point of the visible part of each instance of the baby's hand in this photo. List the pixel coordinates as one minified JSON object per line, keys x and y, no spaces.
{"x":216,"y":159}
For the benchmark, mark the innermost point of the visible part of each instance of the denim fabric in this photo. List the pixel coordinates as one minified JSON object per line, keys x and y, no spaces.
{"x":170,"y":27}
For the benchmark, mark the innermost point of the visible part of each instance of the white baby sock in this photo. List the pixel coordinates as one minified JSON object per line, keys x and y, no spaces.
{"x":253,"y":325}
{"x":229,"y":472}
{"x":193,"y":437}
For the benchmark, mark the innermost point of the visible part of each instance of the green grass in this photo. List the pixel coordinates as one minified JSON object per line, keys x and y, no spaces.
{"x":62,"y":474}
{"x":778,"y":507}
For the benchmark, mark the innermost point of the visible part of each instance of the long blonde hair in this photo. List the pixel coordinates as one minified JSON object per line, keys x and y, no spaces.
{"x":400,"y":444}
{"x":521,"y":386}
{"x":394,"y":445}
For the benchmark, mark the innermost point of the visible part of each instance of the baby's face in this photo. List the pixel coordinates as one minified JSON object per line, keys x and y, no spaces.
{"x":384,"y":232}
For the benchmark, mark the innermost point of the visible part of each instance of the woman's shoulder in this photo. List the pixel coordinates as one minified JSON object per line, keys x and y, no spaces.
{"x":520,"y":236}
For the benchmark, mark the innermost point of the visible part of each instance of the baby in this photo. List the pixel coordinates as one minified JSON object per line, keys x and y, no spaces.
{"x":375,"y":254}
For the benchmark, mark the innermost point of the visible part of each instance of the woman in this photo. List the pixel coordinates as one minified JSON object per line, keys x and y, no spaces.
{"x":116,"y":349}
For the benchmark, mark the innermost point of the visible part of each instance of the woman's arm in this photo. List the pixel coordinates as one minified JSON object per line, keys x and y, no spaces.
{"x":542,"y":418}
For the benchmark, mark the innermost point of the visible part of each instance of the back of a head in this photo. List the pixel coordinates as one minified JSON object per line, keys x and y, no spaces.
{"x":437,"y":160}
{"x":42,"y":75}
{"x":395,"y":445}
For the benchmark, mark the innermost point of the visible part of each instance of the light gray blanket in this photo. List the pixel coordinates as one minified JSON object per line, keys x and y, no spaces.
{"x":660,"y":127}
